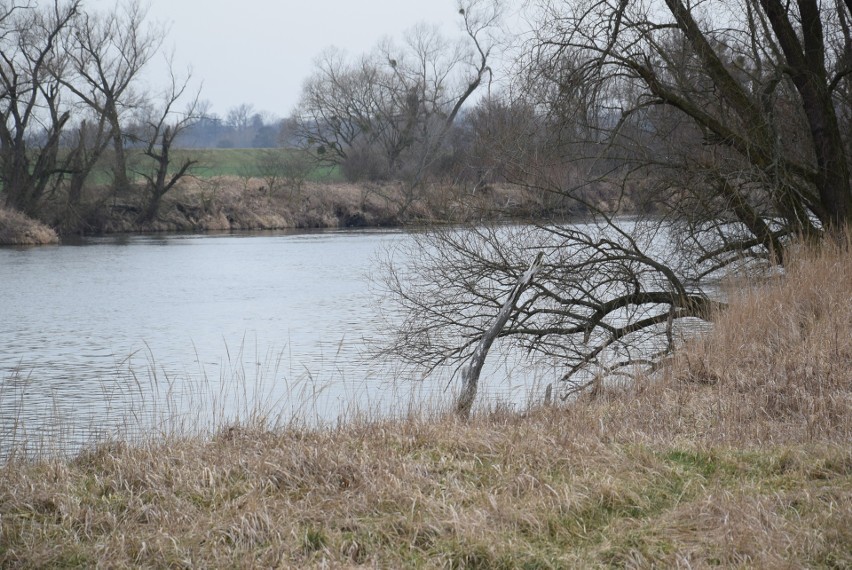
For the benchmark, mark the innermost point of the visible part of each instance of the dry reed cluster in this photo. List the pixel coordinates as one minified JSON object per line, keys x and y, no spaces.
{"x":18,"y":229}
{"x":738,"y":456}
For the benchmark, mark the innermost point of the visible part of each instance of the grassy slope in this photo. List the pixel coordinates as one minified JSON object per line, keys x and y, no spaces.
{"x":740,"y":456}
{"x":221,"y":162}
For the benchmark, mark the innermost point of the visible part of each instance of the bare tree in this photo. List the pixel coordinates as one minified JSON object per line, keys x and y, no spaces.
{"x":339,"y":110}
{"x":283,"y":167}
{"x":84,"y":147}
{"x":159,"y":133}
{"x":500,"y":127}
{"x":32,"y":113}
{"x":240,"y":119}
{"x":388,"y":114}
{"x":604,"y":301}
{"x":748,"y":92}
{"x":106,"y":53}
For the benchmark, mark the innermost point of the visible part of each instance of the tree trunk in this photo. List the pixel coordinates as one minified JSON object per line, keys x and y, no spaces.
{"x":119,"y":168}
{"x":470,"y":375}
{"x":806,"y":61}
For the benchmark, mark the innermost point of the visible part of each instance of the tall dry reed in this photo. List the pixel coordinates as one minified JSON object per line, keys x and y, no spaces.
{"x":18,"y":229}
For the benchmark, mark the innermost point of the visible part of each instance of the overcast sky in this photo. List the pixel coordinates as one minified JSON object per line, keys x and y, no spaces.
{"x":260,"y":51}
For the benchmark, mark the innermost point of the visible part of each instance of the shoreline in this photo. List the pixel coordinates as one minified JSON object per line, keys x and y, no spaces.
{"x":234,"y":204}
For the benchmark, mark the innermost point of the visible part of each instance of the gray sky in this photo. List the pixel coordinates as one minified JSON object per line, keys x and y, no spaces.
{"x":260,"y":51}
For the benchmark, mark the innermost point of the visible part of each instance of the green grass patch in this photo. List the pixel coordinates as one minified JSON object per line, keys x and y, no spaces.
{"x":211,"y":163}
{"x":244,"y":163}
{"x":702,"y":463}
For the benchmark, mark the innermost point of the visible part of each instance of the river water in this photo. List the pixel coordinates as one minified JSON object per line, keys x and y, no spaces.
{"x":118,"y":336}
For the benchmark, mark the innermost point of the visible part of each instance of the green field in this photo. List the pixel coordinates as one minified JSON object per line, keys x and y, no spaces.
{"x":213,"y":162}
{"x":243,"y":162}
{"x":223,"y":162}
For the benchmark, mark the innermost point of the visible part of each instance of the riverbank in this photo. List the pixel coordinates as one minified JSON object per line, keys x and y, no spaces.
{"x":738,"y":455}
{"x":232,"y":203}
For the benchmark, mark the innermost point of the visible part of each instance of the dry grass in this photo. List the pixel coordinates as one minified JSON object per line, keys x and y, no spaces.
{"x":18,"y":229}
{"x":239,"y":203}
{"x":739,"y":456}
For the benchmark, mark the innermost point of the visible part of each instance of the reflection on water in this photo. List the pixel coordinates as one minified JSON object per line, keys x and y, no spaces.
{"x":118,"y":332}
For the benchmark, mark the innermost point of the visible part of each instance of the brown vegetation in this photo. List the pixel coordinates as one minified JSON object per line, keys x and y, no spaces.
{"x":233,"y":203}
{"x":18,"y":229}
{"x":738,"y":455}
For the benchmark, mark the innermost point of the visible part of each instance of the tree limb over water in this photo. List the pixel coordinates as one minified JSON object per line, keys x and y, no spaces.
{"x":604,"y":299}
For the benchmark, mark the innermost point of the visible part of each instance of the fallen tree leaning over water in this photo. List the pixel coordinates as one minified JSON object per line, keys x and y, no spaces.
{"x":606,"y":299}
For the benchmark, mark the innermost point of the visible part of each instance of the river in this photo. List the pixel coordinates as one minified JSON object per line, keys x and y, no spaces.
{"x":120,"y":336}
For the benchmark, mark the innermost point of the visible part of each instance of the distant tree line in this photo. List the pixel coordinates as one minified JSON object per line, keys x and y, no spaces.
{"x":242,"y":127}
